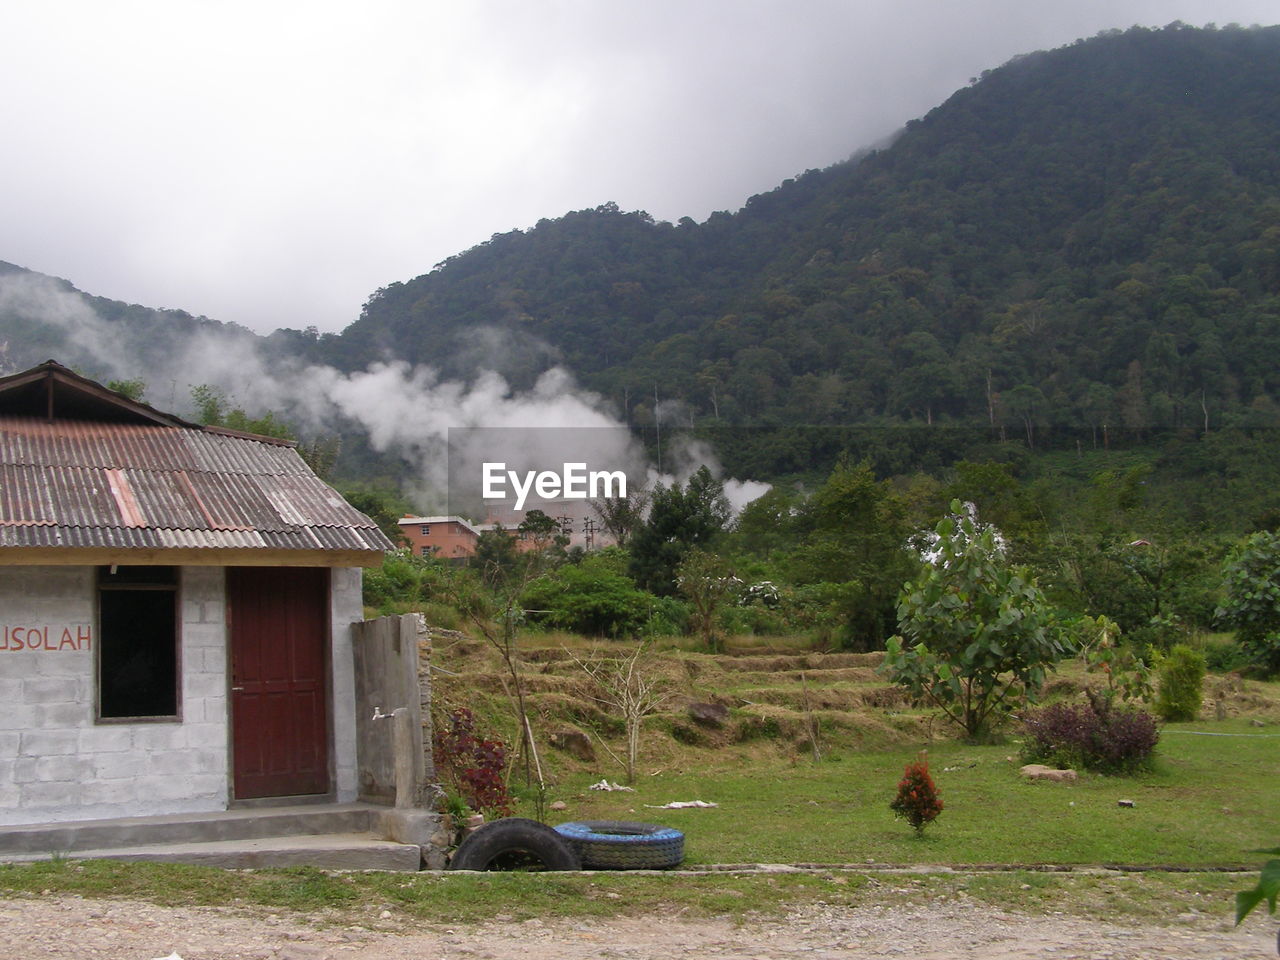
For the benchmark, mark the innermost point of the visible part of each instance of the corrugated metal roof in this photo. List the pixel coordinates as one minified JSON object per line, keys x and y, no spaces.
{"x":147,"y":486}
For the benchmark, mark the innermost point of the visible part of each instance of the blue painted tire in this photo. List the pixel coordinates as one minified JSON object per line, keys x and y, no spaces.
{"x":623,"y":845}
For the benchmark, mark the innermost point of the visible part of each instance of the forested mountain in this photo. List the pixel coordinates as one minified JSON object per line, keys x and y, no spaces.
{"x":43,"y":317}
{"x":1082,"y":240}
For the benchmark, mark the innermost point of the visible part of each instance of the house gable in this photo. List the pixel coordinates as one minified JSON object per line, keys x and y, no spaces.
{"x":52,"y":391}
{"x":89,"y":476}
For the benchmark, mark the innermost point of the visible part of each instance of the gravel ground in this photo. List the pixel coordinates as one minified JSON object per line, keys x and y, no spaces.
{"x":62,"y":928}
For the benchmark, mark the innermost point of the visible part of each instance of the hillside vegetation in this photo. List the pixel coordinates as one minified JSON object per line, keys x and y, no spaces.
{"x":1083,"y":242}
{"x":1079,"y":248}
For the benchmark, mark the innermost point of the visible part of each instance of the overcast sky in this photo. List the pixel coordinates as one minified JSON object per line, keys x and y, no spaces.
{"x":273,"y":163}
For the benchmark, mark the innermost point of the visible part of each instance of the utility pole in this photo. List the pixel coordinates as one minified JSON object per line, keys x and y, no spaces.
{"x":657,"y":422}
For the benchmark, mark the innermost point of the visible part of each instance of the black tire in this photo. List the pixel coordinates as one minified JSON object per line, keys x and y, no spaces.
{"x":515,"y":843}
{"x":623,"y":845}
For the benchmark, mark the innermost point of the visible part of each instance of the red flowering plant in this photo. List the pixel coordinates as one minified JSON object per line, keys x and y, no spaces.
{"x":917,"y":801}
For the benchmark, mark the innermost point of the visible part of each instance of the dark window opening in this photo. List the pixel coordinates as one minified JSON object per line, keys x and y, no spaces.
{"x":137,"y":642}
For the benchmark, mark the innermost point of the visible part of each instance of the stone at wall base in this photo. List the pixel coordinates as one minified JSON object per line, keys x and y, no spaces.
{"x":430,"y":831}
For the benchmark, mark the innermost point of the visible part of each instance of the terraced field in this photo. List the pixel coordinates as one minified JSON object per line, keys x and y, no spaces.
{"x":777,"y":701}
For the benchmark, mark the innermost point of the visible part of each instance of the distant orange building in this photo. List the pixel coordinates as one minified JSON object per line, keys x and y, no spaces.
{"x":455,"y":538}
{"x":449,"y":538}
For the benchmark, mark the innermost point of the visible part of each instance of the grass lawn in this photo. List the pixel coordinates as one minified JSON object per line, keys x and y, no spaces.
{"x":1208,"y":802}
{"x":360,"y":898}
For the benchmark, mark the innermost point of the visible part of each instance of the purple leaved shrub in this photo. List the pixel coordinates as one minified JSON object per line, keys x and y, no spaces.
{"x":1097,"y":735}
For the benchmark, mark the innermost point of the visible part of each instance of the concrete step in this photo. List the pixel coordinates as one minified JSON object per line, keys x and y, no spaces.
{"x":74,"y":837}
{"x":346,"y":851}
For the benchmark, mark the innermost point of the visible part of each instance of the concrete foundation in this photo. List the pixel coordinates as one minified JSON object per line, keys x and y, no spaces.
{"x":352,"y":836}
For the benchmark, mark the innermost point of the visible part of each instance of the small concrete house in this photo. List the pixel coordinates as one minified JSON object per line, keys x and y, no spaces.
{"x":176,"y":605}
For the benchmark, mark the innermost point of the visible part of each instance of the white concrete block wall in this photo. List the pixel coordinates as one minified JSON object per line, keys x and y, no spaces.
{"x":56,"y":762}
{"x":347,"y":607}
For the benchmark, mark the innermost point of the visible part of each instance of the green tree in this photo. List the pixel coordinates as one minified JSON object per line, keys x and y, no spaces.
{"x":213,"y":409}
{"x":708,"y":583}
{"x":547,"y":538}
{"x":496,"y":557}
{"x":1028,"y":404}
{"x":1097,"y":408}
{"x":1126,"y":674}
{"x":133,"y":389}
{"x":621,"y":516}
{"x":321,"y":454}
{"x":1001,"y":499}
{"x":976,"y":633}
{"x":1251,"y":580}
{"x":680,"y":518}
{"x":765,"y":525}
{"x":383,"y":505}
{"x":210,"y":404}
{"x":854,"y":532}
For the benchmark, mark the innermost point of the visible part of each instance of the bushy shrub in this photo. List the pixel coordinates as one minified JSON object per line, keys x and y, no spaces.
{"x":589,"y":598}
{"x":917,"y":801}
{"x":1181,"y":683}
{"x":757,"y":620}
{"x":1097,"y":735}
{"x":1224,"y":656}
{"x":471,"y":765}
{"x":403,"y":582}
{"x":667,"y":617}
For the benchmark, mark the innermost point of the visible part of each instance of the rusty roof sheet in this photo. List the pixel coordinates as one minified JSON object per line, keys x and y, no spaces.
{"x":149,"y":486}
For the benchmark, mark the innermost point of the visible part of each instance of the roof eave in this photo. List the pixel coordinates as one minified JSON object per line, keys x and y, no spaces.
{"x":187,"y":557}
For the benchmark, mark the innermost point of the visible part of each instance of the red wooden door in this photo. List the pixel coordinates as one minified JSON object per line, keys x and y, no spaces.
{"x":279,"y":621}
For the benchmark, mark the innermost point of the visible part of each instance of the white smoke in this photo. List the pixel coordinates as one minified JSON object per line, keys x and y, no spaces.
{"x":686,"y":456}
{"x":85,"y":336}
{"x":410,"y":411}
{"x":403,"y":409}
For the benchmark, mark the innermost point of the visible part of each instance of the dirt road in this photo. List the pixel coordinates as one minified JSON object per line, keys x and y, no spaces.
{"x":69,"y":928}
